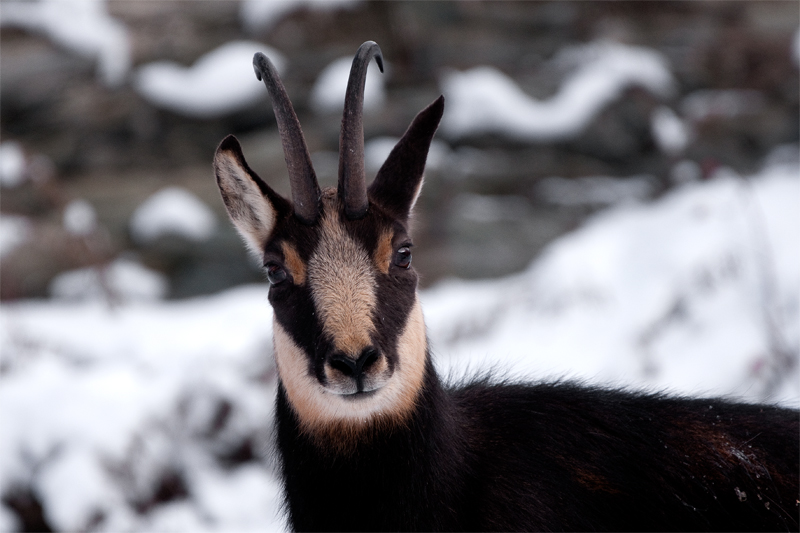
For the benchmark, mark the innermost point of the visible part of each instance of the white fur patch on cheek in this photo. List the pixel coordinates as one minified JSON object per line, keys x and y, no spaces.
{"x":319,"y":409}
{"x":302,"y":388}
{"x":412,"y":354}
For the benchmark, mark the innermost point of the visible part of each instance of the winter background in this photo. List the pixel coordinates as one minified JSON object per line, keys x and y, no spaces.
{"x":613,"y":197}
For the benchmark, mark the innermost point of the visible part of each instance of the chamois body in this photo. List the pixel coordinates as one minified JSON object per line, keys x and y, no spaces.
{"x":370,"y":439}
{"x":489,"y":457}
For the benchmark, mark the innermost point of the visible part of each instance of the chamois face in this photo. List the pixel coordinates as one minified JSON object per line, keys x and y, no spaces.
{"x":349,"y":336}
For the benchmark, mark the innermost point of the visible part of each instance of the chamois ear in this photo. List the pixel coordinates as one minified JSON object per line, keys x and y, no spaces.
{"x":252,"y":205}
{"x":399,"y":181}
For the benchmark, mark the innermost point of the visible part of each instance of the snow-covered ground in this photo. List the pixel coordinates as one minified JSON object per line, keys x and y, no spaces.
{"x":103,"y":407}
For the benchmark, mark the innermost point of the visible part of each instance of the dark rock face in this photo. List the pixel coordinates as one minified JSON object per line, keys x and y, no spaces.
{"x":113,"y":148}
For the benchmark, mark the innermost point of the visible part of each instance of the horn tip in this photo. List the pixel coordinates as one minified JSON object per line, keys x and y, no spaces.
{"x":260,"y":62}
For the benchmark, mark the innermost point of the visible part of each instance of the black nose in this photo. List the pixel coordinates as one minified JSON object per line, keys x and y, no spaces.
{"x":355,"y":369}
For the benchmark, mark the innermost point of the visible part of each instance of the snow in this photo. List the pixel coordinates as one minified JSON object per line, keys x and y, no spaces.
{"x":219,"y":83}
{"x":262,"y":14}
{"x":172,"y":211}
{"x":124,"y":280}
{"x":98,"y":402}
{"x":12,"y":164}
{"x":14,"y":231}
{"x":484,"y":100}
{"x":670,"y":133}
{"x":327,"y":94}
{"x":672,"y":295}
{"x":81,"y":26}
{"x":112,"y":390}
{"x":80,"y":218}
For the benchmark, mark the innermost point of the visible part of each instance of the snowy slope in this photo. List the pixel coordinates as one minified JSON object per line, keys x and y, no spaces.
{"x":101,"y":406}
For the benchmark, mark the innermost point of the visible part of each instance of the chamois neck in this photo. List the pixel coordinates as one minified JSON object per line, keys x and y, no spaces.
{"x":383,"y":464}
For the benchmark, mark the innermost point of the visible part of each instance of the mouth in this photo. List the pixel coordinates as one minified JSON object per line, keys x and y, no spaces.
{"x":359,"y":395}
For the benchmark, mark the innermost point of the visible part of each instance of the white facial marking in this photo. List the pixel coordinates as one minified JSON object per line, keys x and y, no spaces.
{"x":318,"y":408}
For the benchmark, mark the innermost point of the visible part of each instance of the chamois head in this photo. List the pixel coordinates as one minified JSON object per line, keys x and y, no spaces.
{"x":349,"y":337}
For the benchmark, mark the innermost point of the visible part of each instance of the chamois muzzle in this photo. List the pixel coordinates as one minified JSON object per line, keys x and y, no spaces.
{"x":355,"y":369}
{"x":352,"y":182}
{"x":303,"y":179}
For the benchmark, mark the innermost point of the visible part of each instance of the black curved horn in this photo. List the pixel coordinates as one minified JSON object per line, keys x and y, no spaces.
{"x":303,"y":179}
{"x":352,"y":184}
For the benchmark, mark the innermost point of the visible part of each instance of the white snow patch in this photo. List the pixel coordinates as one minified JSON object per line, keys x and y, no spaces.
{"x":81,"y":26}
{"x":327,"y":95}
{"x":172,"y":211}
{"x":12,"y":164}
{"x":122,"y":280}
{"x":219,"y":83}
{"x":241,"y":499}
{"x":484,"y":100}
{"x":14,"y":231}
{"x":100,"y":397}
{"x":80,"y":218}
{"x":262,"y":14}
{"x":670,"y":133}
{"x":675,"y":295}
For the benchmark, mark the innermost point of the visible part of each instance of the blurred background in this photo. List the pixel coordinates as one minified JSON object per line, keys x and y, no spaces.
{"x":613,"y":196}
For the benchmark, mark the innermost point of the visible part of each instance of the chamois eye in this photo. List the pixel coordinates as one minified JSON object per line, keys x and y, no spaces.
{"x":275,"y":274}
{"x":403,"y":257}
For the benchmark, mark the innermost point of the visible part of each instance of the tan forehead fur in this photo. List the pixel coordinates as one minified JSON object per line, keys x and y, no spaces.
{"x":293,"y":262}
{"x":383,"y":251}
{"x":342,"y":282}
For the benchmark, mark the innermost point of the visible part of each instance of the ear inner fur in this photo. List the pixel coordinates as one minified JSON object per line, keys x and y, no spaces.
{"x":252,"y":214}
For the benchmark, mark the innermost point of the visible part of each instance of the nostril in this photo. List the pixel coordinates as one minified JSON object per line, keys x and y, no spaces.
{"x":368,"y":358}
{"x":343,"y":365}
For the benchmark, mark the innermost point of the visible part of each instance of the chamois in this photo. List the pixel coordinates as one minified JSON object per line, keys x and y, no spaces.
{"x":370,"y":438}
